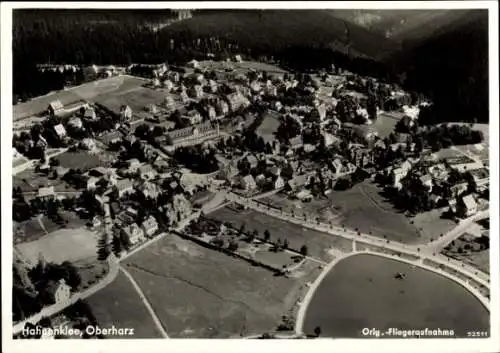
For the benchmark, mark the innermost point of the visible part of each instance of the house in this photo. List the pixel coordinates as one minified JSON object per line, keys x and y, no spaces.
{"x":196,"y":91}
{"x":228,"y":173}
{"x":75,"y":122}
{"x":149,"y":190}
{"x":275,"y":171}
{"x":467,"y":206}
{"x":89,"y":114}
{"x":304,"y":195}
{"x":124,"y":187}
{"x":398,"y":174}
{"x":133,"y":233}
{"x":212,"y":86}
{"x":426,"y":181}
{"x":45,"y":193}
{"x":151,"y":108}
{"x":252,"y":160}
{"x":193,"y":116}
{"x":236,"y":101}
{"x":58,"y":292}
{"x":125,"y":113}
{"x":133,"y":165}
{"x":168,"y":85}
{"x":181,"y":206}
{"x":438,"y":171}
{"x":459,"y":188}
{"x":278,"y":182}
{"x":296,"y":142}
{"x":184,"y":97}
{"x":169,"y":102}
{"x":60,"y":131}
{"x":149,"y":226}
{"x":260,"y":180}
{"x":297,"y":182}
{"x":248,"y":183}
{"x":88,"y":144}
{"x":161,"y":165}
{"x":452,"y":205}
{"x":147,"y":172}
{"x":92,"y":183}
{"x":55,"y":107}
{"x":222,"y":107}
{"x":96,"y":222}
{"x":193,"y":64}
{"x":337,"y":166}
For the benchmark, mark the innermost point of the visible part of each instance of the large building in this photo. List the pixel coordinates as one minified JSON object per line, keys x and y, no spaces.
{"x":193,"y":135}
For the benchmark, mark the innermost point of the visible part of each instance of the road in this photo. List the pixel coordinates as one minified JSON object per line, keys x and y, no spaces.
{"x":465,"y":269}
{"x":58,"y":307}
{"x":437,"y":245}
{"x":31,"y":163}
{"x":146,"y":303}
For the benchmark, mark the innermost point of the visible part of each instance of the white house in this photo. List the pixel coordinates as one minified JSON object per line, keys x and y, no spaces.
{"x":60,"y":130}
{"x":125,"y":112}
{"x":467,"y":207}
{"x":134,"y":233}
{"x":124,"y":186}
{"x":149,"y":226}
{"x":59,"y":291}
{"x":76,"y":122}
{"x":248,"y":183}
{"x":278,"y":182}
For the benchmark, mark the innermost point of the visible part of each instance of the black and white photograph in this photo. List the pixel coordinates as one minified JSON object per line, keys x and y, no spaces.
{"x":210,"y":171}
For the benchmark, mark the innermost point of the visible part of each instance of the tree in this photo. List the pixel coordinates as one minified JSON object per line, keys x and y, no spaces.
{"x":304,"y":250}
{"x":267,"y":235}
{"x":285,"y":244}
{"x":54,"y":162}
{"x":103,"y":247}
{"x":116,"y":246}
{"x":317,"y":331}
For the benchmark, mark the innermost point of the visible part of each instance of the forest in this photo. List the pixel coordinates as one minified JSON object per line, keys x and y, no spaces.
{"x":451,"y":67}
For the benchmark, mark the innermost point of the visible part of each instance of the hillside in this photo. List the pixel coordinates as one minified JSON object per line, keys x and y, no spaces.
{"x":451,"y":66}
{"x":273,"y":30}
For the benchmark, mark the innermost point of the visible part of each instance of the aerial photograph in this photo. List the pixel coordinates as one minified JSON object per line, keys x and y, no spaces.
{"x":250,"y":174}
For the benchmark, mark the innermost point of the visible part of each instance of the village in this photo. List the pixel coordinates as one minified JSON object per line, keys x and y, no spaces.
{"x":172,"y":144}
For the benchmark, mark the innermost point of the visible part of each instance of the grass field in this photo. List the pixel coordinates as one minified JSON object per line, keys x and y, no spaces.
{"x":119,"y":304}
{"x":87,"y":91}
{"x":431,"y":225}
{"x":62,"y":245}
{"x":364,"y":208}
{"x":81,"y":159}
{"x":317,"y":243}
{"x":202,"y":293}
{"x":137,"y":99}
{"x":30,"y":181}
{"x":268,"y":127}
{"x":361,"y":292}
{"x":385,"y":124}
{"x":29,"y":230}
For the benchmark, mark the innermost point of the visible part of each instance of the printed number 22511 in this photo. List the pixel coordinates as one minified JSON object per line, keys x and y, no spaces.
{"x":475,"y":334}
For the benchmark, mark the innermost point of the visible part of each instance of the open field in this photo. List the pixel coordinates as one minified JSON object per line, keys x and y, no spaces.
{"x":269,"y":126}
{"x":62,"y":245}
{"x":29,"y":230}
{"x":317,"y":243}
{"x":242,"y":67}
{"x":364,"y":208}
{"x":430,"y":224}
{"x":83,"y":160}
{"x":202,"y":293}
{"x":87,"y":91}
{"x":31,"y":181}
{"x":361,"y":291}
{"x":137,"y":99}
{"x":119,"y":304}
{"x":385,"y":124}
{"x":361,"y":207}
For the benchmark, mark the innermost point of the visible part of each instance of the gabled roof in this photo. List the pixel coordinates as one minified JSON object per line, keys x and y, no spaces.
{"x":469,"y":202}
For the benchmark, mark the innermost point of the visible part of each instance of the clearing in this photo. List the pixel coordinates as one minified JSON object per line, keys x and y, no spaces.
{"x":201,"y":293}
{"x":318,"y":244}
{"x":62,"y":245}
{"x":269,"y":126}
{"x":119,"y":304}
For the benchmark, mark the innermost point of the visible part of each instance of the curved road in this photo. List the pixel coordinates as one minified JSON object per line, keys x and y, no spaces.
{"x":467,"y":270}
